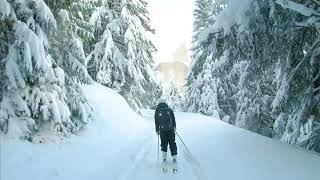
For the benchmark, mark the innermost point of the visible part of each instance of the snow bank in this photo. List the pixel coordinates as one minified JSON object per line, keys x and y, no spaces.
{"x":222,"y":151}
{"x":99,"y":152}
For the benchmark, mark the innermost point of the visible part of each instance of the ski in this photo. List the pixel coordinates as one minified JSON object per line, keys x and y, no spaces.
{"x":164,"y":170}
{"x":164,"y":166}
{"x":174,"y":166}
{"x":174,"y":171}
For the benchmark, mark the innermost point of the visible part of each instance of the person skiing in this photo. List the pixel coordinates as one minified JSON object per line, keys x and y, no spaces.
{"x":166,"y":127}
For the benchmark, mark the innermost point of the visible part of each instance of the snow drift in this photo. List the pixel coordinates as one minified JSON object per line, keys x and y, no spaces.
{"x":98,"y":152}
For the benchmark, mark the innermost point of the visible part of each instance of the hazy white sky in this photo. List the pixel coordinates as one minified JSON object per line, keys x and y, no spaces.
{"x":172,"y":20}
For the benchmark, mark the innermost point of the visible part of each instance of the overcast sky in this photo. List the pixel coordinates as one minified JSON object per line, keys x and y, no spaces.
{"x":172,"y":20}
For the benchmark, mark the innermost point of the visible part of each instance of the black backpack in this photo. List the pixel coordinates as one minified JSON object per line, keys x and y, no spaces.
{"x":165,"y":121}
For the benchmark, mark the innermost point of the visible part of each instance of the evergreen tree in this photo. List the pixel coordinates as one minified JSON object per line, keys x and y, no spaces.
{"x":208,"y":100}
{"x":66,"y":47}
{"x":297,"y":99}
{"x":205,"y":53}
{"x":268,"y":76}
{"x":122,"y":58}
{"x":170,"y":94}
{"x":33,"y":92}
{"x":202,"y":20}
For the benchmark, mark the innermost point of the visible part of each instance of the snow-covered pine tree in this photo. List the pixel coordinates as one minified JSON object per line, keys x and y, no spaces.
{"x":202,"y":20}
{"x":244,"y":43}
{"x":170,"y":94}
{"x":6,"y":37}
{"x":67,"y":49}
{"x":229,"y":48}
{"x":34,"y":95}
{"x":83,"y":16}
{"x":122,"y":58}
{"x":206,"y":53}
{"x":297,"y":99}
{"x":212,"y":91}
{"x":284,"y":104}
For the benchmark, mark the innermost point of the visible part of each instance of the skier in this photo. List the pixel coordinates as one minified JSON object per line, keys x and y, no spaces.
{"x":166,"y":127}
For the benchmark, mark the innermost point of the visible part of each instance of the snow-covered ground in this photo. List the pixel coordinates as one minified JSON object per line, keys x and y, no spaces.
{"x":120,"y":145}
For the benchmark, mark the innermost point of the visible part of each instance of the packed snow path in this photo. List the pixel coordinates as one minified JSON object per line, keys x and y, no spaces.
{"x":147,"y":166}
{"x":120,"y":145}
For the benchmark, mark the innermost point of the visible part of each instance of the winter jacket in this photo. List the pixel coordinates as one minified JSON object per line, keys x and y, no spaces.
{"x":163,"y":105}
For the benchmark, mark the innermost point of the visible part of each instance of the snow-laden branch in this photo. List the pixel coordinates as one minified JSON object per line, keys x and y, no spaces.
{"x":297,"y":7}
{"x":203,"y":35}
{"x":316,"y":77}
{"x":316,"y":2}
{"x":307,"y":56}
{"x":4,"y":8}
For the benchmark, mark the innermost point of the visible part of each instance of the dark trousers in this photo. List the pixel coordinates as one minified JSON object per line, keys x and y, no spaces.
{"x":168,"y":137}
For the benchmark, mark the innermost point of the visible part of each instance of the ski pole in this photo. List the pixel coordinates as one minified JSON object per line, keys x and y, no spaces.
{"x":183,"y":143}
{"x":158,"y":147}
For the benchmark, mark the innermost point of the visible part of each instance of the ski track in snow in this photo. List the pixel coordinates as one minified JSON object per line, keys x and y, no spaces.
{"x":195,"y":165}
{"x":145,"y":163}
{"x":137,"y":160}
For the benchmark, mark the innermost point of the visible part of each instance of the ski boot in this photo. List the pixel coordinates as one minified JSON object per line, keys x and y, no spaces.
{"x":164,"y":162}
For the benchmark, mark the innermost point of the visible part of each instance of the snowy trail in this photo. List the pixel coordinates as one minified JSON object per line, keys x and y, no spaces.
{"x":146,"y":166}
{"x":222,"y":151}
{"x":188,"y":166}
{"x":120,"y":145}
